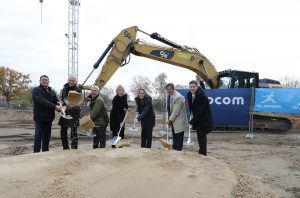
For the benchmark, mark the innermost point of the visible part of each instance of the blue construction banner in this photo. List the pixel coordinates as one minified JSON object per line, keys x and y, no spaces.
{"x":277,"y":100}
{"x":230,"y":107}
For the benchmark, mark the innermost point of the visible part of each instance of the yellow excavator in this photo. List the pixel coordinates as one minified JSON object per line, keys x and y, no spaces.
{"x":127,"y":43}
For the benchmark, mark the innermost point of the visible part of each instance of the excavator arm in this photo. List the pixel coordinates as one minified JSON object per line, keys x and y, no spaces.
{"x":186,"y":58}
{"x":182,"y":56}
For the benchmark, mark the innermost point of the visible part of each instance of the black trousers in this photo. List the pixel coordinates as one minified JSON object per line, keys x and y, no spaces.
{"x":115,"y":133}
{"x":64,"y":137}
{"x":202,"y":141}
{"x":177,"y":140}
{"x":99,"y":140}
{"x":42,"y":136}
{"x":146,"y":141}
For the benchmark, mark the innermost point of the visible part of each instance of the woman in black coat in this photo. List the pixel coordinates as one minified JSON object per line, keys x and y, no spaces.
{"x":146,"y":116}
{"x":117,"y":114}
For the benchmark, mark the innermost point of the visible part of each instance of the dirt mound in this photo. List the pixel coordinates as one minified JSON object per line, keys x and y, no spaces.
{"x":20,"y":119}
{"x":15,"y":115}
{"x":127,"y":172}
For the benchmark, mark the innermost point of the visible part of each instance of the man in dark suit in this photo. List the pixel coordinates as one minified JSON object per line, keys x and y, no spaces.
{"x":45,"y":103}
{"x":200,"y":114}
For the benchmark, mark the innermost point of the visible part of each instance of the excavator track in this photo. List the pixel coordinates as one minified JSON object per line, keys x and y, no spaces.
{"x":273,"y":124}
{"x":279,"y":122}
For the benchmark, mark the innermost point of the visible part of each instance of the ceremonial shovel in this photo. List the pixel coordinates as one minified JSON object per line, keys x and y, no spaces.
{"x":63,"y":113}
{"x":134,"y":126}
{"x":189,"y":140}
{"x":121,"y":125}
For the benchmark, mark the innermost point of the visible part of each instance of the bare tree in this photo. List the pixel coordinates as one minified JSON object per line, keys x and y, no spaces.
{"x":12,"y":83}
{"x":160,"y":85}
{"x":290,"y":82}
{"x":107,"y":94}
{"x":139,"y":82}
{"x":25,"y":97}
{"x":181,"y":86}
{"x":160,"y":89}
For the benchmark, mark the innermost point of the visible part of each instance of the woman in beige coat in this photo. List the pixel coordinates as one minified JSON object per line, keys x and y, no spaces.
{"x":177,"y":119}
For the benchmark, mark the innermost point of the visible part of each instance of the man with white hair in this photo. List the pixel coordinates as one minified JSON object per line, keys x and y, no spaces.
{"x":74,"y":112}
{"x":99,"y":116}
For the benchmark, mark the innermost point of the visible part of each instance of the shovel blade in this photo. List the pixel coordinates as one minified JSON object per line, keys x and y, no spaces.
{"x":249,"y":136}
{"x":189,"y":141}
{"x":116,"y":141}
{"x":68,"y":117}
{"x":166,"y":144}
{"x":133,"y":129}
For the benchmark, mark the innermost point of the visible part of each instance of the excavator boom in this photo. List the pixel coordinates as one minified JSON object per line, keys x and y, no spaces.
{"x":186,"y":58}
{"x":117,"y":56}
{"x":126,"y":42}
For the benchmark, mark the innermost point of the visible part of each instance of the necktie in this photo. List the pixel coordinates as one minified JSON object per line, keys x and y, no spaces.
{"x":168,"y":105}
{"x":191,"y":115}
{"x":46,"y":89}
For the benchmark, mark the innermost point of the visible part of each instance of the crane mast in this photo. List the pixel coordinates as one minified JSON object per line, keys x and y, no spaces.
{"x":73,"y":28}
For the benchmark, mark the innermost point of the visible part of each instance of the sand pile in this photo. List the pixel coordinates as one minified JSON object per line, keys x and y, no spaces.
{"x":126,"y":172}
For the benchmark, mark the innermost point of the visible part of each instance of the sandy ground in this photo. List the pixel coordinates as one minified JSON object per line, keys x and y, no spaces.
{"x":266,"y":166}
{"x":126,"y":172}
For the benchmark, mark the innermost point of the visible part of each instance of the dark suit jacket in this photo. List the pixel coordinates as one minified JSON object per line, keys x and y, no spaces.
{"x":72,"y":111}
{"x":145,"y":110}
{"x":44,"y":104}
{"x":202,"y":117}
{"x":65,"y":92}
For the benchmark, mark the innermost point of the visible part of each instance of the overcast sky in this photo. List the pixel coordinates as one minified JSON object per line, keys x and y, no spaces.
{"x":254,"y":35}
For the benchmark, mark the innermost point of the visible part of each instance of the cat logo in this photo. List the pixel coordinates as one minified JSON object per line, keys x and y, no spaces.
{"x":165,"y":54}
{"x":127,"y":34}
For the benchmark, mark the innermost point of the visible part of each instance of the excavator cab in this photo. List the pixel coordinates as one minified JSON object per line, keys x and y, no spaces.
{"x":230,"y":79}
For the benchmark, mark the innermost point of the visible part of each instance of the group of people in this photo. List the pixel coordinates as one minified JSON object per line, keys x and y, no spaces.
{"x":46,"y":102}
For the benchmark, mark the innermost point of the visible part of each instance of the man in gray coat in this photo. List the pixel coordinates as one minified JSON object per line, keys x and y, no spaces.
{"x":176,"y":115}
